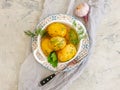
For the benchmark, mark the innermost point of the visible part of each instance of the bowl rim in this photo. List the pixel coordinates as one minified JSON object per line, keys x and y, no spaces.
{"x":39,"y":40}
{"x":78,"y":60}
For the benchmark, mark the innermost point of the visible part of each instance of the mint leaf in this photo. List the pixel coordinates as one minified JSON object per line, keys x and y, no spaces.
{"x":49,"y":59}
{"x":55,"y":64}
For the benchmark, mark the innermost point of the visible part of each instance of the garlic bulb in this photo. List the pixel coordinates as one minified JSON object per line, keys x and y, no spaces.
{"x":82,"y":10}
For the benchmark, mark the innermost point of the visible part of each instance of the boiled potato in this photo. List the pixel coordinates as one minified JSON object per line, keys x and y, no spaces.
{"x":46,"y":46}
{"x":72,"y":37}
{"x":57,"y":29}
{"x":57,"y":43}
{"x":66,"y":53}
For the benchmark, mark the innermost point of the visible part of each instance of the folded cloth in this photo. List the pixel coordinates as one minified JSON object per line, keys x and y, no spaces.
{"x":32,"y":72}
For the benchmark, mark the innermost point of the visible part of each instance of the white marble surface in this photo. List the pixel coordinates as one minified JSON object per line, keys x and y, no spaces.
{"x":102,"y":71}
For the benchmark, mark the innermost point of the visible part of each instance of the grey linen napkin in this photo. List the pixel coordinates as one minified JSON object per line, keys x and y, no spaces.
{"x":32,"y":72}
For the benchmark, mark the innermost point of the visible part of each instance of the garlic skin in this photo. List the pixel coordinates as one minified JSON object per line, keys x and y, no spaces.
{"x":82,"y":10}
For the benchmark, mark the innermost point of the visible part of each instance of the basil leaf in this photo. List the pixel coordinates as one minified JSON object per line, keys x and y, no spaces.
{"x":52,"y":59}
{"x":55,"y":64}
{"x":73,"y":37}
{"x":43,"y":33}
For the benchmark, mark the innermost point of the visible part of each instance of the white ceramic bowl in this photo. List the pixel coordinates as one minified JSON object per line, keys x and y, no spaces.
{"x":64,"y":22}
{"x":38,"y":53}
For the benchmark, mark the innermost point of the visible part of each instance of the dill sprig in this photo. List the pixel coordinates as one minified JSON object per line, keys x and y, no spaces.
{"x":37,"y":32}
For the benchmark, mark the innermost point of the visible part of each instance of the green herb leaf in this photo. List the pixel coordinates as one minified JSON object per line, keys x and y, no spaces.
{"x":73,"y":37}
{"x":54,"y":56}
{"x":29,"y":33}
{"x":74,"y":23}
{"x":49,"y":58}
{"x":37,"y":32}
{"x":54,"y":64}
{"x":43,"y":33}
{"x":52,"y":59}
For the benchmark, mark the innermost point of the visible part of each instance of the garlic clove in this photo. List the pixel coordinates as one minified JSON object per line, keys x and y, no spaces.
{"x":82,"y":10}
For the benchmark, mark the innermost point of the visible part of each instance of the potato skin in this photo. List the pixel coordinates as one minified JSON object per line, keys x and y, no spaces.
{"x":57,"y":43}
{"x":57,"y":29}
{"x":66,"y":53}
{"x":46,"y":46}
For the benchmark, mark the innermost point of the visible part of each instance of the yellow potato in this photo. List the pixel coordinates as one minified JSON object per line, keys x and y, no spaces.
{"x":66,"y":53}
{"x":72,"y":37}
{"x":57,"y":43}
{"x":57,"y":29}
{"x":46,"y":46}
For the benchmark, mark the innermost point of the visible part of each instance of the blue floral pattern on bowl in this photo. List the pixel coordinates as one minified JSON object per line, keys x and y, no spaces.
{"x":81,"y":55}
